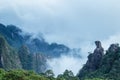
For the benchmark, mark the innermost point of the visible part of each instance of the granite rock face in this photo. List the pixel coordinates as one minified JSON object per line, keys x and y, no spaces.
{"x":93,"y":61}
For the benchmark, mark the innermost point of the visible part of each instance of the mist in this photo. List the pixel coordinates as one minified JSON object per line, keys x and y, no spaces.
{"x":66,"y":62}
{"x":73,"y":63}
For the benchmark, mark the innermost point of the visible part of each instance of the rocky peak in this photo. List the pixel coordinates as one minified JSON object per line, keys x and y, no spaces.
{"x":98,"y":44}
{"x":93,"y":61}
{"x":99,"y":50}
{"x":95,"y":58}
{"x":113,"y":48}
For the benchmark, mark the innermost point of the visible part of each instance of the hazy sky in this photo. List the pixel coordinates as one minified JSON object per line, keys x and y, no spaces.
{"x":71,"y":22}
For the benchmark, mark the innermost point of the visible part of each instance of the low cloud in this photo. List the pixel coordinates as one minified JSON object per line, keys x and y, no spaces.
{"x":59,"y":65}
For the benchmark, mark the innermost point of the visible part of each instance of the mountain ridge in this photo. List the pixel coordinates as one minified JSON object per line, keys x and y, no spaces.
{"x":32,"y":52}
{"x":13,"y":36}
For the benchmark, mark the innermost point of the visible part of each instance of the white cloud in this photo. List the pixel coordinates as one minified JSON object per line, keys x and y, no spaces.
{"x":59,"y":65}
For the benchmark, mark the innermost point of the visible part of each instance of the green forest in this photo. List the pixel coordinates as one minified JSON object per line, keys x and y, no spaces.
{"x":30,"y":75}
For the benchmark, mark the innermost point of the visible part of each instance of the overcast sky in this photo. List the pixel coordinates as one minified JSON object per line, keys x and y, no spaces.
{"x":71,"y":22}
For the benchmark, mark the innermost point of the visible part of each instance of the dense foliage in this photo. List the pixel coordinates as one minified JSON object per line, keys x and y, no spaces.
{"x":30,"y":75}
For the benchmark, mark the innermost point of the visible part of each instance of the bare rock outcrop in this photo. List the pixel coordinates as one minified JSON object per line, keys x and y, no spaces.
{"x":93,"y":61}
{"x":113,"y":48}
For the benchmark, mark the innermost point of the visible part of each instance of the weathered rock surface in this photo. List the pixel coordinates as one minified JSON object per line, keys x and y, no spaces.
{"x":8,"y":56}
{"x":94,"y":60}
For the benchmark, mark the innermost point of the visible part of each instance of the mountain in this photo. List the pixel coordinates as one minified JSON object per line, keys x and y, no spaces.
{"x":11,"y":34}
{"x":21,"y":50}
{"x":103,"y":66}
{"x":16,"y":38}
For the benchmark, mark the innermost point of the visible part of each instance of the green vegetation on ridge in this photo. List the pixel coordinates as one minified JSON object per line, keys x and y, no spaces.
{"x":30,"y":75}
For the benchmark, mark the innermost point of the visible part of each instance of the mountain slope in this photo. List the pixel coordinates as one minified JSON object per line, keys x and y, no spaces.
{"x":106,"y":67}
{"x":29,"y":61}
{"x":8,"y":57}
